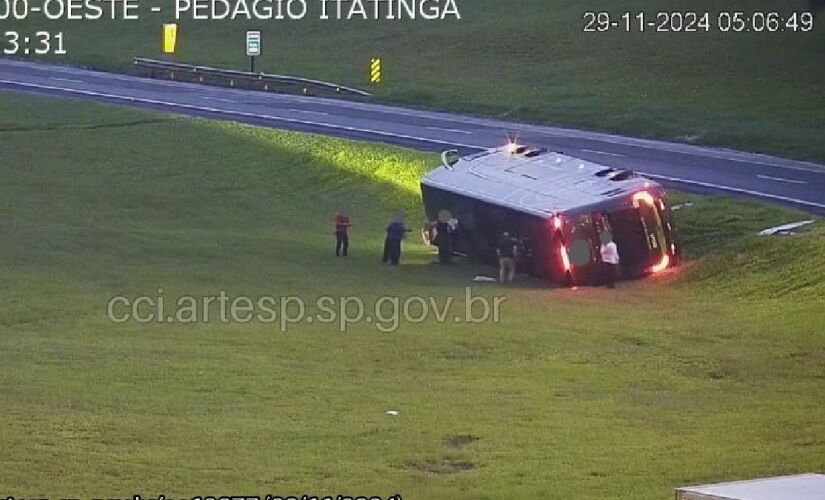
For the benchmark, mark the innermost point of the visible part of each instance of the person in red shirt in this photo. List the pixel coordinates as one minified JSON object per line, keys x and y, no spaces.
{"x":342,"y":225}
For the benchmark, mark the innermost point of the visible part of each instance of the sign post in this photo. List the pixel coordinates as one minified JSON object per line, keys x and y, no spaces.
{"x":253,"y":47}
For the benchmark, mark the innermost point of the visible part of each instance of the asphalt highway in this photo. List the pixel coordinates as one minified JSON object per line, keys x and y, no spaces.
{"x":687,"y":167}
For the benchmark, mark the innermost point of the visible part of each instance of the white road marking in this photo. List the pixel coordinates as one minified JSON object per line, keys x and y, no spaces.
{"x":219,"y":99}
{"x":785,"y":228}
{"x":602,"y":153}
{"x":227,"y":112}
{"x":308,"y":112}
{"x":780,"y":179}
{"x":155,"y":9}
{"x":757,"y":194}
{"x":69,"y":80}
{"x":450,"y":130}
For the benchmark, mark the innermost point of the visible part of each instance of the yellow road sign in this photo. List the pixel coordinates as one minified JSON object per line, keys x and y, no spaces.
{"x":170,"y":38}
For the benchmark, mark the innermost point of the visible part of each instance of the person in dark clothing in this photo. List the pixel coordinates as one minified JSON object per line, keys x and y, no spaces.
{"x":342,"y":225}
{"x":443,"y":241}
{"x":392,"y":244}
{"x":507,"y":252}
{"x":444,"y":238}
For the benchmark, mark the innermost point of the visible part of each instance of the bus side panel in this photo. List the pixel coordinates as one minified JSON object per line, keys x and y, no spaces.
{"x":481,"y":225}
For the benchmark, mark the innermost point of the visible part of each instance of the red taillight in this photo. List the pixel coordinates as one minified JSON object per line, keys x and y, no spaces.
{"x":661,"y":266}
{"x":643,"y":196}
{"x":565,"y":259}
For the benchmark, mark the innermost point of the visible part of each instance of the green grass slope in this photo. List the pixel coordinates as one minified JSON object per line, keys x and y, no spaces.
{"x":711,"y":373}
{"x":531,"y":60}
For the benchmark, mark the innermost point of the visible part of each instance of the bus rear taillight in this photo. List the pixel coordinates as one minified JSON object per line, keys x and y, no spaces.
{"x":565,"y":258}
{"x":662,"y":265}
{"x":643,"y":196}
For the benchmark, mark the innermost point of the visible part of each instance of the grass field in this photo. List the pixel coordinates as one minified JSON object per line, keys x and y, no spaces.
{"x":712,"y":373}
{"x":530,"y":60}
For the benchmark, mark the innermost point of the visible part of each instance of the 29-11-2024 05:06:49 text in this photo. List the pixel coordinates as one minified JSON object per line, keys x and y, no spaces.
{"x":698,"y":22}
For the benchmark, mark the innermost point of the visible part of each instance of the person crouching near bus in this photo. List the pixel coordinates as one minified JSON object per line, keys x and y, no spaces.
{"x":610,"y":259}
{"x":507,"y":252}
{"x":395,"y":234}
{"x":342,"y":225}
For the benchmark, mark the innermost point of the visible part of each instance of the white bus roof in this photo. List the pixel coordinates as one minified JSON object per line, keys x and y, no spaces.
{"x":799,"y":487}
{"x":537,"y":181}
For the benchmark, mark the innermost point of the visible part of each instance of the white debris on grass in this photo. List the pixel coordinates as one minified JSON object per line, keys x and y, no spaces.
{"x":393,"y":413}
{"x":683,"y":205}
{"x":484,"y":279}
{"x":785,"y":230}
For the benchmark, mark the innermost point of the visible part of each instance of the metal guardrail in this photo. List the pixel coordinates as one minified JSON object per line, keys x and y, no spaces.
{"x":243,"y":80}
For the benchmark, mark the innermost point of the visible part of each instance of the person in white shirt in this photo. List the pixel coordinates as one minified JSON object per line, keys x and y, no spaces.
{"x":610,"y":259}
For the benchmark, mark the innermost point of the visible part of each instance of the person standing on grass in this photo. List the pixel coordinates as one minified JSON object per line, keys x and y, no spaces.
{"x":342,"y":225}
{"x":610,"y":259}
{"x":395,"y":234}
{"x":507,"y":252}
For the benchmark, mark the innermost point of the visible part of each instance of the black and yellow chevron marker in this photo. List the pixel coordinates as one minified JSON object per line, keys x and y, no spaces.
{"x":375,"y":70}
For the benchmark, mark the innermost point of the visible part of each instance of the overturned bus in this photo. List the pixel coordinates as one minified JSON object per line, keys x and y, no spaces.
{"x":558,"y":207}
